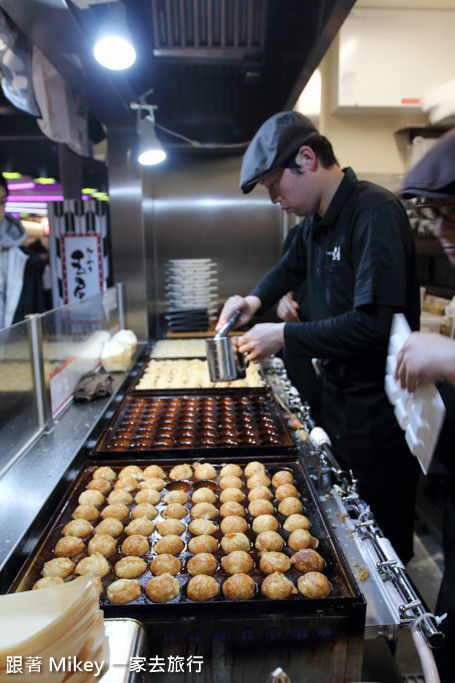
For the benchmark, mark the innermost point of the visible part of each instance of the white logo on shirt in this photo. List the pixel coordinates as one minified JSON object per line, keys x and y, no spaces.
{"x":335,"y":254}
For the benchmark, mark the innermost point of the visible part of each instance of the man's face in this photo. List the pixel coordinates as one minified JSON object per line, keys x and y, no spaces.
{"x":444,"y":225}
{"x":292,"y":191}
{"x":3,"y":196}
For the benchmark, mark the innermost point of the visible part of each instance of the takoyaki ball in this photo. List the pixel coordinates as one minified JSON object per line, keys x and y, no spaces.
{"x":141,"y":526}
{"x":103,"y":544}
{"x":170,"y":526}
{"x":239,"y":587}
{"x":91,"y":497}
{"x":151,"y":496}
{"x":277,"y":587}
{"x":265,"y":523}
{"x":69,"y":546}
{"x":47,"y":581}
{"x":174,"y":511}
{"x":126,"y":482}
{"x":202,"y":544}
{"x":290,"y":506}
{"x":235,"y":541}
{"x":162,"y":588}
{"x":308,"y":560}
{"x":296,"y":521}
{"x":202,"y":526}
{"x":232,"y":495}
{"x":274,"y":562}
{"x":301,"y":538}
{"x":314,"y":585}
{"x":120,"y":496}
{"x":233,"y":525}
{"x":184,"y":471}
{"x":203,"y":511}
{"x":254,"y":467}
{"x":260,"y":493}
{"x":154,"y":471}
{"x":282,"y":477}
{"x":286,"y":491}
{"x":269,"y":540}
{"x":99,"y":484}
{"x":117,"y":511}
{"x":95,"y":565}
{"x":171,"y":544}
{"x":110,"y":526}
{"x":237,"y":562}
{"x":232,"y":508}
{"x":230,"y":481}
{"x":130,"y":567}
{"x":59,"y":566}
{"x":261,"y":507}
{"x":105,"y":473}
{"x":201,"y":588}
{"x":135,"y":545}
{"x":123,"y":591}
{"x":132,"y":471}
{"x":175,"y":497}
{"x":258,"y":479}
{"x":203,"y":495}
{"x":204,"y":471}
{"x":165,"y":564}
{"x":144,"y":510}
{"x":78,"y":527}
{"x":202,"y":563}
{"x":88,"y":512}
{"x":231,"y":469}
{"x":152,"y":483}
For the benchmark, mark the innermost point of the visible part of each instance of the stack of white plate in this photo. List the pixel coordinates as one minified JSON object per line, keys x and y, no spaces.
{"x":53,"y":634}
{"x":191,"y":290}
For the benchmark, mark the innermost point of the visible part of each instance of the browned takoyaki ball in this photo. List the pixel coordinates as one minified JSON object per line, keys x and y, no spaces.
{"x":301,"y":538}
{"x":314,"y":585}
{"x":88,"y":512}
{"x":123,"y":591}
{"x":204,"y":471}
{"x":117,"y":511}
{"x":165,"y":564}
{"x":290,"y":506}
{"x":152,"y":483}
{"x":286,"y":491}
{"x":130,"y":567}
{"x":144,"y":510}
{"x":260,"y":493}
{"x":170,"y":526}
{"x":269,"y":540}
{"x":201,"y":588}
{"x":202,"y":563}
{"x":254,"y":467}
{"x":162,"y":588}
{"x":203,"y":495}
{"x":277,"y":587}
{"x":78,"y":527}
{"x":131,"y":471}
{"x":175,"y":497}
{"x":203,"y":511}
{"x":237,"y":562}
{"x":202,"y":544}
{"x":174,"y":511}
{"x":231,"y":469}
{"x":274,"y":562}
{"x":104,"y":544}
{"x":59,"y":566}
{"x":308,"y":560}
{"x":265,"y":523}
{"x":154,"y":471}
{"x":235,"y":541}
{"x":171,"y":544}
{"x":126,"y":482}
{"x":239,"y":587}
{"x":261,"y":507}
{"x":105,"y":473}
{"x":296,"y":521}
{"x":69,"y":546}
{"x":141,"y":526}
{"x":120,"y":496}
{"x":183,"y":471}
{"x":135,"y":545}
{"x":232,"y":508}
{"x":110,"y":526}
{"x":258,"y":479}
{"x":230,"y":481}
{"x":233,"y":524}
{"x":282,"y":477}
{"x":47,"y":581}
{"x":99,"y":484}
{"x":91,"y":497}
{"x":95,"y":565}
{"x":147,"y":496}
{"x":232,"y":495}
{"x":202,"y":526}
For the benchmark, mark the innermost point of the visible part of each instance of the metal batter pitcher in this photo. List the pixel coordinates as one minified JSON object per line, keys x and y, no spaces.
{"x":225,"y":362}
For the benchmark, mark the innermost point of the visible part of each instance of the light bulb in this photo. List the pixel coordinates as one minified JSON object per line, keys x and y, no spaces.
{"x":114,"y":52}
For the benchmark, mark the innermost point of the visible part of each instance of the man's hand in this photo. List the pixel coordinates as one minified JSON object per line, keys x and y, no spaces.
{"x":425,"y":357}
{"x":287,"y":309}
{"x":261,"y":341}
{"x":247,"y":307}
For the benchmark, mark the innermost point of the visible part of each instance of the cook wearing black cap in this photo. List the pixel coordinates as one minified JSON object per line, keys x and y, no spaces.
{"x":430,"y":358}
{"x":355,"y":250}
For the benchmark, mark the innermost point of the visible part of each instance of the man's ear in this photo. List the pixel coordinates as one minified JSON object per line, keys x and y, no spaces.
{"x":306,"y":158}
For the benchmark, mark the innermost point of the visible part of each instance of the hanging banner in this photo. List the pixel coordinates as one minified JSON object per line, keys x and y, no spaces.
{"x":82,"y":264}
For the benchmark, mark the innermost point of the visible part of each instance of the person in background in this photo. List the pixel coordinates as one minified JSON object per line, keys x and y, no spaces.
{"x":46,"y":281}
{"x":356,"y":253}
{"x":431,"y":358}
{"x":21,"y":291}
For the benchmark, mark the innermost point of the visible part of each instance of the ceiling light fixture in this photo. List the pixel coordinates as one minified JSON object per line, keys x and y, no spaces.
{"x":114,"y":46}
{"x":150,"y":151}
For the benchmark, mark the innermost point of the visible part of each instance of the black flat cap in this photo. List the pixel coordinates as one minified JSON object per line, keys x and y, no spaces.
{"x":275,"y":143}
{"x":434,"y":175}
